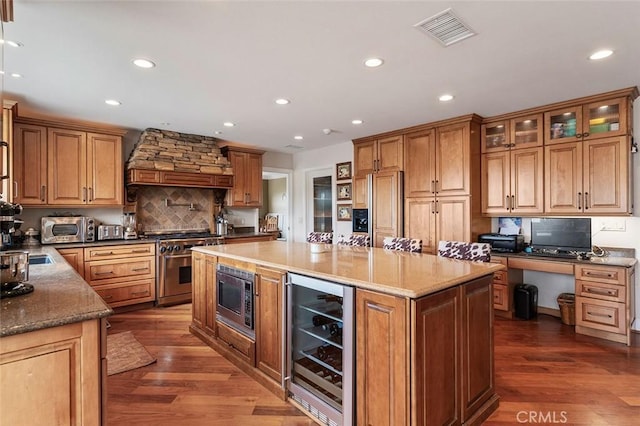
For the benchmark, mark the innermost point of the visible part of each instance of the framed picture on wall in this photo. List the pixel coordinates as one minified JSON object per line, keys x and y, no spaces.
{"x":343,"y":171}
{"x":344,"y":212}
{"x":344,"y":191}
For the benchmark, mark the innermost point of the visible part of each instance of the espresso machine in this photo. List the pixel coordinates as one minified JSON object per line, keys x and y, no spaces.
{"x":8,"y":212}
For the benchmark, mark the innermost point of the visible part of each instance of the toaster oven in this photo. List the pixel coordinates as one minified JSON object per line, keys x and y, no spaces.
{"x":67,"y":229}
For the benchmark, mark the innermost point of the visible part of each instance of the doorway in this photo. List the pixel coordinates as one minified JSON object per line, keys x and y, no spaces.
{"x":276,"y":196}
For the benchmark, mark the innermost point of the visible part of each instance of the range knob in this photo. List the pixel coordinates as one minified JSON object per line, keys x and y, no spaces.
{"x":163,"y":249}
{"x":170,"y":248}
{"x":176,"y":248}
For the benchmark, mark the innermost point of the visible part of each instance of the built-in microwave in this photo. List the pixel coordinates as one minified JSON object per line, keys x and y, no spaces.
{"x":67,"y":229}
{"x":235,"y":298}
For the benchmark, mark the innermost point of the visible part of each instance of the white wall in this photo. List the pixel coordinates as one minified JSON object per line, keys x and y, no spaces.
{"x":307,"y":161}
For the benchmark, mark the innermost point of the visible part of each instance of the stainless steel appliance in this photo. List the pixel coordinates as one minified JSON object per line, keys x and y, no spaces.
{"x":14,"y":270}
{"x":235,"y":299}
{"x":320,"y":376}
{"x":8,"y":211}
{"x":110,"y":232}
{"x":174,"y":263}
{"x":67,"y":229}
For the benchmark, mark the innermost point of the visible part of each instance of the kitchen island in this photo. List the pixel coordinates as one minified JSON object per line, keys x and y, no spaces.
{"x":53,"y":349}
{"x":423,"y":326}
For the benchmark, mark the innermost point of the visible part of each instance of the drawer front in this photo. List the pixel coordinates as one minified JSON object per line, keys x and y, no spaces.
{"x":99,"y":272}
{"x":500,"y":277}
{"x":612,"y":292}
{"x":239,"y":343}
{"x":500,"y":260}
{"x":126,"y":294}
{"x":600,"y":274}
{"x":117,"y":252}
{"x":600,"y":314}
{"x":500,"y":297}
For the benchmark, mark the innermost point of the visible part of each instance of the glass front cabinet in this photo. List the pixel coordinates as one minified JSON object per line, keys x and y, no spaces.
{"x":519,"y":132}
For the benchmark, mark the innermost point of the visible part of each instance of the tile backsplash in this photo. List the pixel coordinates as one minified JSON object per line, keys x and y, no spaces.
{"x":153,"y":214}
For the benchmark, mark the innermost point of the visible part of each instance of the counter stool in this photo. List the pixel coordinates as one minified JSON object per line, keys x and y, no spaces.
{"x":479,"y":252}
{"x":320,"y":237}
{"x":402,"y":244}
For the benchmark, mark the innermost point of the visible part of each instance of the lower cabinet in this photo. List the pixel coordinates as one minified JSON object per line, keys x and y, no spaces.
{"x":503,"y":284}
{"x":453,"y":331}
{"x":270,"y":329}
{"x":75,"y":258}
{"x":241,"y":346}
{"x":54,"y":376}
{"x":204,"y":292}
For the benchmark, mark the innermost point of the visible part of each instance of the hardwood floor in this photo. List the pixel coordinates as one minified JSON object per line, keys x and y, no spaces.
{"x":545,"y":374}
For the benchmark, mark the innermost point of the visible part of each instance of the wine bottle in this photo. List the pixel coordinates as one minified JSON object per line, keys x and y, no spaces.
{"x":335,"y":329}
{"x":321,"y":320}
{"x":330,"y":298}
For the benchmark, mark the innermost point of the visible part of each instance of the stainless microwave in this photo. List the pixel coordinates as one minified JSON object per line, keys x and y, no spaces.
{"x":67,"y":229}
{"x":235,"y":299}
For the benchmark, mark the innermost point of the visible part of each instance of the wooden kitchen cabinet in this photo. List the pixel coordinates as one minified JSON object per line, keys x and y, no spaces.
{"x":387,"y":206}
{"x":420,"y":163}
{"x":60,"y":370}
{"x":590,"y":177}
{"x":360,"y":193}
{"x":270,"y":331}
{"x":75,"y":258}
{"x":204,"y":292}
{"x":514,"y":133}
{"x":76,"y":167}
{"x":512,"y":182}
{"x":122,"y":274}
{"x":378,"y":155}
{"x":247,"y":174}
{"x":7,"y":188}
{"x":605,"y":301}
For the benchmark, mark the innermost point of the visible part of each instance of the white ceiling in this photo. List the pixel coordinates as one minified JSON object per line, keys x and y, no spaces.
{"x":229,"y":61}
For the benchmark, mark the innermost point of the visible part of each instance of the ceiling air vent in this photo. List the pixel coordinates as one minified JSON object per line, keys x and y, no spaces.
{"x":445,"y":27}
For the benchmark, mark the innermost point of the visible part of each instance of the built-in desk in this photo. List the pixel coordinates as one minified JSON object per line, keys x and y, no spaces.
{"x":604,"y":288}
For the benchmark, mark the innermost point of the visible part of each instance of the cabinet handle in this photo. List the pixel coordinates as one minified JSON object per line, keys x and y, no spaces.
{"x":433,"y":207}
{"x":600,"y":274}
{"x":433,"y":189}
{"x":43,"y":189}
{"x":602,"y":292}
{"x":437,"y":182}
{"x":103,"y":253}
{"x":586,"y":201}
{"x":90,"y":194}
{"x":513,"y":202}
{"x":579,"y":200}
{"x":585,"y":135}
{"x":140,"y":251}
{"x":104,"y":273}
{"x":140,"y":269}
{"x":437,"y":207}
{"x":595,"y":314}
{"x":84,"y":194}
{"x":578,"y":135}
{"x":143,"y":293}
{"x":107,"y":296}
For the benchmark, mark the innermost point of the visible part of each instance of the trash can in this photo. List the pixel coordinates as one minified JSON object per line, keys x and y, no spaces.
{"x":567,"y":304}
{"x":525,"y":300}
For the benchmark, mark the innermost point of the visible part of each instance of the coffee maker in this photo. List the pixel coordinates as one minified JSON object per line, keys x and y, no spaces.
{"x":8,"y":211}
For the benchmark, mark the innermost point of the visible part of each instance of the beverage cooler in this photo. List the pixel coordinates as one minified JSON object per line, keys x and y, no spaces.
{"x":320,"y":348}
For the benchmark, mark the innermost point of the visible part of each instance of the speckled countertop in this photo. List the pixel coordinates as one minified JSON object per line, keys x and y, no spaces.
{"x":398,"y":273}
{"x":60,"y":297}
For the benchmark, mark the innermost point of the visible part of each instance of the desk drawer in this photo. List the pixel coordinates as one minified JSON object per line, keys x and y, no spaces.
{"x":614,"y":293}
{"x":600,"y":274}
{"x":500,"y":297}
{"x":500,"y":277}
{"x":600,"y":314}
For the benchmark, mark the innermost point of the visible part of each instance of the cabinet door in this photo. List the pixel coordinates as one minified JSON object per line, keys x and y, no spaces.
{"x":75,"y":258}
{"x":606,"y":118}
{"x":198,"y":289}
{"x":104,"y":170}
{"x":253,"y":183}
{"x":364,"y":155}
{"x":360,"y":193}
{"x":606,"y":171}
{"x":527,"y":188}
{"x":436,"y":338}
{"x":563,"y":178}
{"x":563,"y":125}
{"x":478,"y":382}
{"x":269,"y":322}
{"x":67,"y":167}
{"x":453,"y":167}
{"x":30,"y":164}
{"x":381,"y":340}
{"x":495,"y":136}
{"x":420,"y":222}
{"x":453,"y":220}
{"x":387,"y":210}
{"x":526,"y":131}
{"x":419,"y":161}
{"x":238,"y":195}
{"x":496,"y":188}
{"x":210,"y":295}
{"x":390,"y":154}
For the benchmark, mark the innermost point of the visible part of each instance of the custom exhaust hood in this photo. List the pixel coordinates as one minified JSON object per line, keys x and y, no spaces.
{"x":166,"y":158}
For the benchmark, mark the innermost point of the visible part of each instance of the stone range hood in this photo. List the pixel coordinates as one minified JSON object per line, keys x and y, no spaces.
{"x":162,"y":157}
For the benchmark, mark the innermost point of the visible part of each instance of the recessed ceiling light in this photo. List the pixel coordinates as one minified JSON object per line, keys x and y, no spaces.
{"x":298,"y":138}
{"x":373,"y":62}
{"x":228,"y":124}
{"x":112,"y":102}
{"x":217,"y":132}
{"x":143,"y":63}
{"x":165,"y":123}
{"x":601,"y":54}
{"x":1,"y":72}
{"x":282,"y":101}
{"x":16,"y":75}
{"x":11,"y":43}
{"x":357,"y":121}
{"x":445,"y":98}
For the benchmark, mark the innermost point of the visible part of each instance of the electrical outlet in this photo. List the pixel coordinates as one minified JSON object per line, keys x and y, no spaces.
{"x":614,"y":225}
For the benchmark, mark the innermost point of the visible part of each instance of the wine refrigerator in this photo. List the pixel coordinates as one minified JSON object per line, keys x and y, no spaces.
{"x":320,"y":345}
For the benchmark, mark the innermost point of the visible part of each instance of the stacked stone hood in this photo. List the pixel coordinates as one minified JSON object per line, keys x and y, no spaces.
{"x":181,"y":157}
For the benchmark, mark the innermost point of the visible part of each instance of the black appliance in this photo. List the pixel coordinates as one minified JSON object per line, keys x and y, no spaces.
{"x":360,"y":220}
{"x":525,"y":300}
{"x":503,"y":243}
{"x":7,"y":223}
{"x":235,"y":301}
{"x":561,"y":234}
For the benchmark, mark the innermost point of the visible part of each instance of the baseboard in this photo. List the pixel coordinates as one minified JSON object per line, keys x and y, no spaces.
{"x":549,"y":311}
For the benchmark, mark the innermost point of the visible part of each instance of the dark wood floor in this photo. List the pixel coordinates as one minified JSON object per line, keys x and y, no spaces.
{"x":545,"y":374}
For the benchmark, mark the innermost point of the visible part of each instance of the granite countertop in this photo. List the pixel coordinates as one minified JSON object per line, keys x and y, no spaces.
{"x":60,"y":297}
{"x":398,"y":273}
{"x":247,"y":235}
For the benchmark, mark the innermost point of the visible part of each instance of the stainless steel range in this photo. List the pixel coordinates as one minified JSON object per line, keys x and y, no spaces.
{"x":174,"y":263}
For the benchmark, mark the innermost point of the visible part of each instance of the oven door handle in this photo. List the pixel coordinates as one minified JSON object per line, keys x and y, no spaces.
{"x":173,"y":256}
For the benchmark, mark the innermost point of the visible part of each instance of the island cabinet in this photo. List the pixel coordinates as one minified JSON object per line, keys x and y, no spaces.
{"x":270,"y":316}
{"x":204,"y":292}
{"x":66,"y":164}
{"x":452,"y":329}
{"x":247,"y":177}
{"x":54,"y":376}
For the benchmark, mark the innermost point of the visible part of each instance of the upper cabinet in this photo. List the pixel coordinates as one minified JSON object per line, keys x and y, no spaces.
{"x":247,"y":177}
{"x":593,"y":120}
{"x":66,"y":166}
{"x":378,"y":155}
{"x":515,"y":133}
